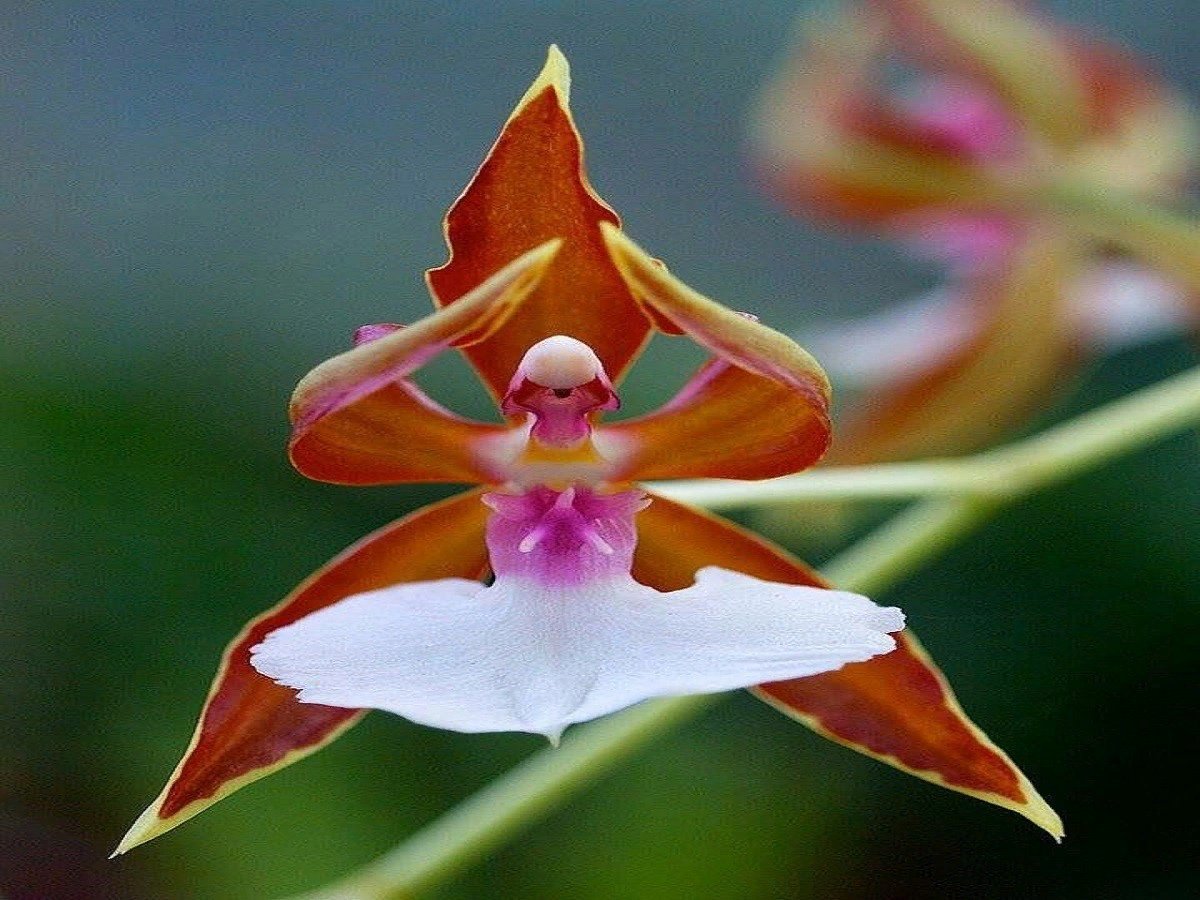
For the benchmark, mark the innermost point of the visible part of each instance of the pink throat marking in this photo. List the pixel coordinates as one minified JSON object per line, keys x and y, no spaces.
{"x":563,"y":537}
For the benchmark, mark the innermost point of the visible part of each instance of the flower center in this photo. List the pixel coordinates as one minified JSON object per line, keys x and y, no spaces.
{"x":560,"y":384}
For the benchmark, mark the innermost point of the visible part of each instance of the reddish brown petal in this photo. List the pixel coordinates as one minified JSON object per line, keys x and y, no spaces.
{"x":349,"y":376}
{"x":760,"y":409}
{"x":250,"y":726}
{"x":977,"y":393}
{"x":531,"y":188}
{"x":897,"y":708}
{"x":357,"y":421}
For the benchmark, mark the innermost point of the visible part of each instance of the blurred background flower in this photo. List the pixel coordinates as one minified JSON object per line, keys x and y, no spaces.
{"x":200,"y":199}
{"x":1019,"y":153}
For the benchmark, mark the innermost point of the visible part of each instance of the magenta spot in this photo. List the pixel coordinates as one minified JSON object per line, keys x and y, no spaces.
{"x":563,"y":537}
{"x":364,"y":334}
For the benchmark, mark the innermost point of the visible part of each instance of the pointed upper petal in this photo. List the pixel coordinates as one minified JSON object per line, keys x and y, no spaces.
{"x":531,"y":188}
{"x":896,"y":707}
{"x":759,"y":409}
{"x":526,"y":655}
{"x":358,"y":420}
{"x":1021,"y":342}
{"x":250,"y":726}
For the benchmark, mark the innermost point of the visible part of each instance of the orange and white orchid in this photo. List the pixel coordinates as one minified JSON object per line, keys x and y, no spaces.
{"x":602,"y":594}
{"x":1018,"y":153}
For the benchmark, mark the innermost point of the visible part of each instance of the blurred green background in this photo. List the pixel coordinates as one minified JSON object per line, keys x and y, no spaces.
{"x":200,"y":201}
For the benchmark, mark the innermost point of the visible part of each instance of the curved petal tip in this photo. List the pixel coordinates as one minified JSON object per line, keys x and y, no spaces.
{"x":556,"y":74}
{"x":147,"y":827}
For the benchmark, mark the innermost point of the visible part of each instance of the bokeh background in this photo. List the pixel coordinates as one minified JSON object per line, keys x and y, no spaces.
{"x":200,"y":201}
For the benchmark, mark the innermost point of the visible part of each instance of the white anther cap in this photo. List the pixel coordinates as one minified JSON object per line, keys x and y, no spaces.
{"x":560,"y":362}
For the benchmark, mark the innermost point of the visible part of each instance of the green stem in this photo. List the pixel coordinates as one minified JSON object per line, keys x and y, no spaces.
{"x":548,"y":778}
{"x":905,"y":543}
{"x":1084,"y":442}
{"x":884,"y":481}
{"x":1104,"y":434}
{"x":489,"y":817}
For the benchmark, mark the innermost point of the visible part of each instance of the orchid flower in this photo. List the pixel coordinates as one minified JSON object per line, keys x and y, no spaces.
{"x":601,"y":594}
{"x":1024,"y":157}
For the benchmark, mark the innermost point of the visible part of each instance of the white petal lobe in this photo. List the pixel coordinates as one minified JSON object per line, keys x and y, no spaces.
{"x":522,"y":656}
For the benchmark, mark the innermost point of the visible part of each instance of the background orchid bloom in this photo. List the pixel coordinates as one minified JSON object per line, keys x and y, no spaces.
{"x":1018,"y":153}
{"x":550,"y":303}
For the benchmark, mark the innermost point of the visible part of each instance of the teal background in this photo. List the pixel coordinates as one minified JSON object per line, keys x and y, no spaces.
{"x":201,"y":201}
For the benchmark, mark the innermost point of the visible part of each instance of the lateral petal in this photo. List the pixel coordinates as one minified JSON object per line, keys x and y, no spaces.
{"x":396,"y":434}
{"x":250,"y":726}
{"x":726,"y":422}
{"x":532,"y":187}
{"x":357,"y":420}
{"x":897,"y":707}
{"x":759,"y":409}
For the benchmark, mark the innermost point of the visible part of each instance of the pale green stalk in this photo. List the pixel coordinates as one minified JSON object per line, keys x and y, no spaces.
{"x":548,"y":778}
{"x":1083,"y":442}
{"x":883,"y":481}
{"x":488,"y":818}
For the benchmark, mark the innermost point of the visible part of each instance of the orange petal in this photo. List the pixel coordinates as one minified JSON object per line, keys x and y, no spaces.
{"x":760,"y":409}
{"x":977,"y":393}
{"x":250,"y":726}
{"x":897,"y":708}
{"x":357,"y":421}
{"x":827,"y":142}
{"x":531,"y":188}
{"x":395,"y":435}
